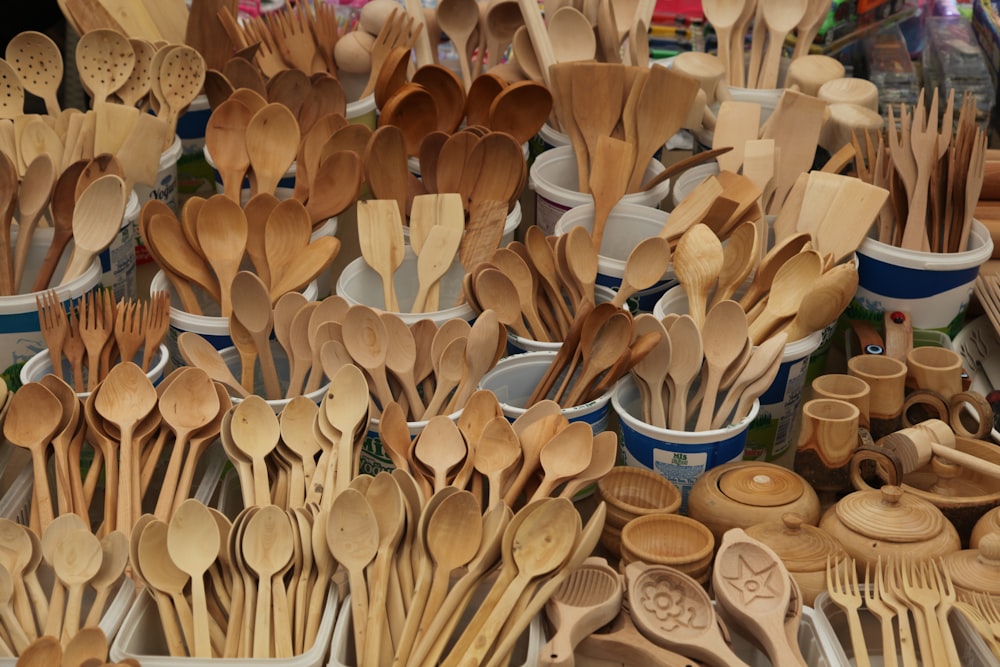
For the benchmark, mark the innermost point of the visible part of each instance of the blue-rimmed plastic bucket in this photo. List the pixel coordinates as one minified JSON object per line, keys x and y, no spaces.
{"x":679,"y":456}
{"x":933,"y":287}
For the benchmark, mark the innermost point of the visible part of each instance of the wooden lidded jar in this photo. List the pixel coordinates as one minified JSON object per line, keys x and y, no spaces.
{"x":977,"y":570}
{"x":988,"y":523}
{"x":743,"y":493}
{"x":891,"y":523}
{"x":803,"y":549}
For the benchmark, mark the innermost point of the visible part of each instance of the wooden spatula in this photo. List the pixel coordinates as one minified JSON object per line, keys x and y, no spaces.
{"x":735,"y":124}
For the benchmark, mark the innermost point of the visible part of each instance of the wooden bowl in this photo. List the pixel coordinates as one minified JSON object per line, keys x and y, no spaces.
{"x":668,"y":539}
{"x":634,"y":492}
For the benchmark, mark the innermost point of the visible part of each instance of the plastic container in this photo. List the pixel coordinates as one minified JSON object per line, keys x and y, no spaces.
{"x":141,"y":637}
{"x":552,"y":138}
{"x":283,"y":191}
{"x":212,"y":327}
{"x":934,"y":288}
{"x":359,"y":284}
{"x":680,"y":456}
{"x":773,"y":433}
{"x":554,"y":179}
{"x":194,"y":175}
{"x":525,"y":652}
{"x":165,"y":188}
{"x":232,"y":358}
{"x":40,"y":365}
{"x":20,"y":330}
{"x":514,"y":378}
{"x":363,"y":112}
{"x":627,"y":226}
{"x":972,"y":650}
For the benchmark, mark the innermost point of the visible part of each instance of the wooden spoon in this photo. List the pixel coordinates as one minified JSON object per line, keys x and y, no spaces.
{"x":36,"y":189}
{"x":197,"y":351}
{"x":32,"y":419}
{"x":654,"y":590}
{"x":442,"y":450}
{"x":114,"y":546}
{"x":267,"y":548}
{"x":497,"y":451}
{"x":724,"y":338}
{"x":39,"y":65}
{"x":587,"y":600}
{"x":698,"y":262}
{"x":8,"y":201}
{"x":76,"y":560}
{"x":255,"y":431}
{"x":252,"y":306}
{"x":825,"y":301}
{"x":87,"y":644}
{"x":610,"y":341}
{"x":459,"y":19}
{"x":564,"y":456}
{"x":346,"y":406}
{"x":61,"y":208}
{"x":401,"y":359}
{"x":96,"y":221}
{"x":272,"y":139}
{"x":193,"y":545}
{"x":125,"y":398}
{"x":685,"y":365}
{"x":104,"y":59}
{"x":645,"y":266}
{"x":222,"y":234}
{"x":769,"y":265}
{"x":723,"y":15}
{"x":387,"y":504}
{"x":571,"y":35}
{"x":353,"y":538}
{"x":791,"y":283}
{"x":781,"y":18}
{"x":738,"y":260}
{"x":225,"y":138}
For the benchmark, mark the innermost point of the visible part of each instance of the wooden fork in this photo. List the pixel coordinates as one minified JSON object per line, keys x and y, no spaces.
{"x":876,"y":605}
{"x":845,"y":592}
{"x":923,"y":146}
{"x":157,"y":320}
{"x":889,"y":589}
{"x":129,"y":332}
{"x":924,"y":597}
{"x":73,"y":348}
{"x":395,"y":32}
{"x":55,"y":326}
{"x":94,"y":332}
{"x":946,"y":588}
{"x":326,"y":31}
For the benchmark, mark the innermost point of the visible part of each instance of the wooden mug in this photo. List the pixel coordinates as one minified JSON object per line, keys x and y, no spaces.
{"x":827,"y":441}
{"x":886,"y":378}
{"x":848,"y":388}
{"x":936,"y":369}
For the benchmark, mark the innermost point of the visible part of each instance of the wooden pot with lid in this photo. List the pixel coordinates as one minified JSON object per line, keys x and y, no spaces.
{"x":988,"y":523}
{"x":977,"y":570}
{"x":891,"y":523}
{"x":803,"y":549}
{"x":743,"y":493}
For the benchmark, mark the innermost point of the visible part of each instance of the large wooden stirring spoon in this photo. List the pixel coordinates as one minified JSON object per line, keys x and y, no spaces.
{"x":459,"y":19}
{"x":225,"y":138}
{"x":115,"y":547}
{"x":610,"y":341}
{"x":255,"y":430}
{"x":193,"y":544}
{"x":353,"y":537}
{"x":442,"y":450}
{"x":61,"y":207}
{"x":32,"y":420}
{"x":645,"y":266}
{"x":36,"y":189}
{"x":272,"y":139}
{"x":222,"y":234}
{"x":76,"y":560}
{"x":564,"y":456}
{"x":781,"y":17}
{"x":723,"y":339}
{"x":685,"y":366}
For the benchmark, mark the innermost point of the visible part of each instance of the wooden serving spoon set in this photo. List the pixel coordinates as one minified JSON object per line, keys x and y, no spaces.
{"x":128,"y":423}
{"x":258,"y":585}
{"x":215,"y":236}
{"x":97,"y":333}
{"x":71,"y":560}
{"x":933,"y":171}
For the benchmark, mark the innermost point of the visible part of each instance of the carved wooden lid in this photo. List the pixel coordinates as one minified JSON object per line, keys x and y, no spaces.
{"x":802,"y":547}
{"x":761,"y":485}
{"x":891,"y":515}
{"x":977,"y":569}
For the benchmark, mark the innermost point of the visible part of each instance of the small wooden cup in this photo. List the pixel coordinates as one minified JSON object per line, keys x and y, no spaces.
{"x":828,"y":440}
{"x":669,"y":539}
{"x":935,"y":368}
{"x":809,"y":73}
{"x":886,"y":378}
{"x":848,"y":388}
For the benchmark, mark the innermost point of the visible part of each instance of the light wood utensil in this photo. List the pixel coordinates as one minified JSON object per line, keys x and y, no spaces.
{"x":736,"y":124}
{"x":272,"y":139}
{"x":105,"y":60}
{"x":252,"y":306}
{"x":723,"y":15}
{"x":791,"y":283}
{"x":587,"y":600}
{"x":608,"y":181}
{"x":781,"y":18}
{"x":685,"y":365}
{"x":698,"y":261}
{"x":723,"y":338}
{"x":644,"y":267}
{"x":32,"y":420}
{"x":193,"y":545}
{"x":381,"y":236}
{"x":222,"y":233}
{"x":96,"y":221}
{"x":39,"y":65}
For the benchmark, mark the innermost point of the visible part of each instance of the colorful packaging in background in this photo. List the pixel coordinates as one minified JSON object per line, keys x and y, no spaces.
{"x":986,"y":25}
{"x":953,"y":60}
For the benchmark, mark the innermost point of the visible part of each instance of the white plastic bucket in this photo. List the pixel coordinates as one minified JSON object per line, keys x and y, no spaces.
{"x":514,"y":378}
{"x":552,"y":138}
{"x":772,"y":435}
{"x":933,"y":287}
{"x":40,"y":365}
{"x":679,"y":456}
{"x":20,"y":330}
{"x":691,"y":179}
{"x":211,"y":327}
{"x":374,"y":458}
{"x":360,"y":285}
{"x":232,"y":358}
{"x":284,"y":190}
{"x":554,"y":179}
{"x":194,"y":176}
{"x":510,"y":226}
{"x":362,"y":112}
{"x":627,"y":226}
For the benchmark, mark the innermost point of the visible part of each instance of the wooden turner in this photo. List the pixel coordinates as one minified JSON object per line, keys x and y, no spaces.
{"x":735,"y":125}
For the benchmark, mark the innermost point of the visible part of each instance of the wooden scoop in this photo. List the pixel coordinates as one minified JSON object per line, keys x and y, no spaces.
{"x":587,"y":600}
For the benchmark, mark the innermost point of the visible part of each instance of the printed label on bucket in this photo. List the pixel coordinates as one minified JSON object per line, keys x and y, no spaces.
{"x":769,"y":435}
{"x":373,"y":457}
{"x":118,"y":264}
